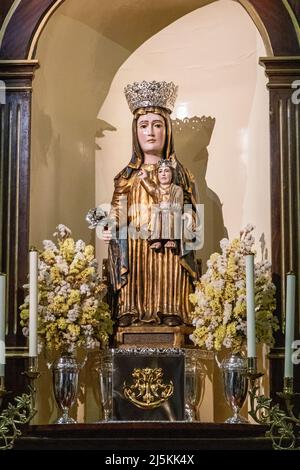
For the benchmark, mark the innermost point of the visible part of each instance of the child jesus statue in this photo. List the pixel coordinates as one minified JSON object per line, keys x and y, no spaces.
{"x":165,"y":221}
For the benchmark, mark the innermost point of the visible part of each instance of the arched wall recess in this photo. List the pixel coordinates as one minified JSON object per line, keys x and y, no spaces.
{"x":282,"y":70}
{"x":245,"y":3}
{"x":32,"y":18}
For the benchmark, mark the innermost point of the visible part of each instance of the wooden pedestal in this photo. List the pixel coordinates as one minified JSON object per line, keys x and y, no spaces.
{"x":153,"y":336}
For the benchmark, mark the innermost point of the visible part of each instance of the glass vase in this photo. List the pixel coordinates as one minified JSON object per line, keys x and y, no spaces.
{"x":194,"y":378}
{"x":105,"y":382}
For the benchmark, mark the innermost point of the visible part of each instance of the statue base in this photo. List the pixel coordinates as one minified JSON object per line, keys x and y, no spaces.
{"x":153,"y":336}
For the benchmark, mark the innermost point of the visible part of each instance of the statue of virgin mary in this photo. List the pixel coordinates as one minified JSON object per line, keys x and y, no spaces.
{"x":152,"y":286}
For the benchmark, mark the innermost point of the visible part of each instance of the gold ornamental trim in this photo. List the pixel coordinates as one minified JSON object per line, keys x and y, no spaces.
{"x":293,"y":18}
{"x":252,"y":12}
{"x":148,"y":390}
{"x":41,"y":27}
{"x":7,"y":19}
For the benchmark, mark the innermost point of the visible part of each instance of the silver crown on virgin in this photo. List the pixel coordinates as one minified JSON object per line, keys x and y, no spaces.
{"x":144,"y":94}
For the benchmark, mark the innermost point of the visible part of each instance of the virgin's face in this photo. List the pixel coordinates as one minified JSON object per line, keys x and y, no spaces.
{"x":151,"y":132}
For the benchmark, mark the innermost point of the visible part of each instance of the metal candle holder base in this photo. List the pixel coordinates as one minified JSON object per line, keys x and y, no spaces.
{"x":32,"y":375}
{"x":252,"y":373}
{"x":283,"y":424}
{"x":19,"y":413}
{"x":3,"y":392}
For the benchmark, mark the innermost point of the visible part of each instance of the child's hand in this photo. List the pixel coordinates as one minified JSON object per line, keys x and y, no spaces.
{"x":142,"y":174}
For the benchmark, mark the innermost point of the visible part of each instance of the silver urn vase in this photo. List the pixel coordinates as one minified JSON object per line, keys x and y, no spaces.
{"x":234,"y":370}
{"x":65,"y":371}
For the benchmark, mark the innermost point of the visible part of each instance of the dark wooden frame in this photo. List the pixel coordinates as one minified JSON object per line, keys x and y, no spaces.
{"x":17,"y":71}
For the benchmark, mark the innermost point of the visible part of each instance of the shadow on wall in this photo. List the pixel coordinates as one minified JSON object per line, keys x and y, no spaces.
{"x":62,"y":174}
{"x":69,"y":89}
{"x":102,"y":126}
{"x":46,"y":163}
{"x":191,"y":138}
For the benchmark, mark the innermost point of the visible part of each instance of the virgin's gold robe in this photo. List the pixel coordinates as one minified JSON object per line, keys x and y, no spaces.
{"x":150,"y":284}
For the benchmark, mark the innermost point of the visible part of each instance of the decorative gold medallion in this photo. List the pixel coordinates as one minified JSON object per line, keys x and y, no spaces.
{"x":148,"y":391}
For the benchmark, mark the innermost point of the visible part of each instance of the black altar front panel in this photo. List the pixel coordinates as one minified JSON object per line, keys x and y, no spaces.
{"x":148,"y":384}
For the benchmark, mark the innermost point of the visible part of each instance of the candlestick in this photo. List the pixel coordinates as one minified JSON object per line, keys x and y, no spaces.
{"x":3,"y":392}
{"x":32,"y":374}
{"x":14,"y":417}
{"x":2,"y":322}
{"x":33,"y":301}
{"x":251,"y":348}
{"x":289,"y":323}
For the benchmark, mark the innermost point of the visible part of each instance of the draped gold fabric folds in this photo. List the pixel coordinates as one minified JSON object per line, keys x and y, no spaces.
{"x":157,"y":283}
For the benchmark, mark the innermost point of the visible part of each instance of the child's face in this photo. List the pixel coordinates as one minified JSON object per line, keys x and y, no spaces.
{"x":164,"y":175}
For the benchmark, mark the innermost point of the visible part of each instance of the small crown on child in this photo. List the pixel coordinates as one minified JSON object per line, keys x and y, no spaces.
{"x":167,"y":163}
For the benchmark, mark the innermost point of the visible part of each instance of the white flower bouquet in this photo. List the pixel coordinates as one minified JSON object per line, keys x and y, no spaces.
{"x":71,"y":312}
{"x":219,"y":300}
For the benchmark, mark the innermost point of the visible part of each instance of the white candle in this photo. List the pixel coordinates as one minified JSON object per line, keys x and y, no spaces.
{"x":33,"y":301}
{"x":251,"y":349}
{"x":289,"y":324}
{"x":2,"y":323}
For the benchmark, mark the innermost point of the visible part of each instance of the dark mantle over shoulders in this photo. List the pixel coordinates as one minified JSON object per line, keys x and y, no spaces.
{"x":144,"y":436}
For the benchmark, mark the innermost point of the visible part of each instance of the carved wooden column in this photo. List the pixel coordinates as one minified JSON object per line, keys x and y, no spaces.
{"x":15,"y":116}
{"x":285,"y":193}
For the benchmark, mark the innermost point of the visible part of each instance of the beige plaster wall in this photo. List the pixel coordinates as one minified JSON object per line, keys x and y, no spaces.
{"x":212,"y":54}
{"x":79,"y":51}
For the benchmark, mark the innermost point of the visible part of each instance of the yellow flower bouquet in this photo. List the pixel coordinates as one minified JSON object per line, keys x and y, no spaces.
{"x":219,"y":300}
{"x":71,"y":312}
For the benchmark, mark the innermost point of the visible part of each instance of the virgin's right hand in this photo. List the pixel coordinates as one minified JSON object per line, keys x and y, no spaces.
{"x":142,"y":174}
{"x":107,"y":235}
